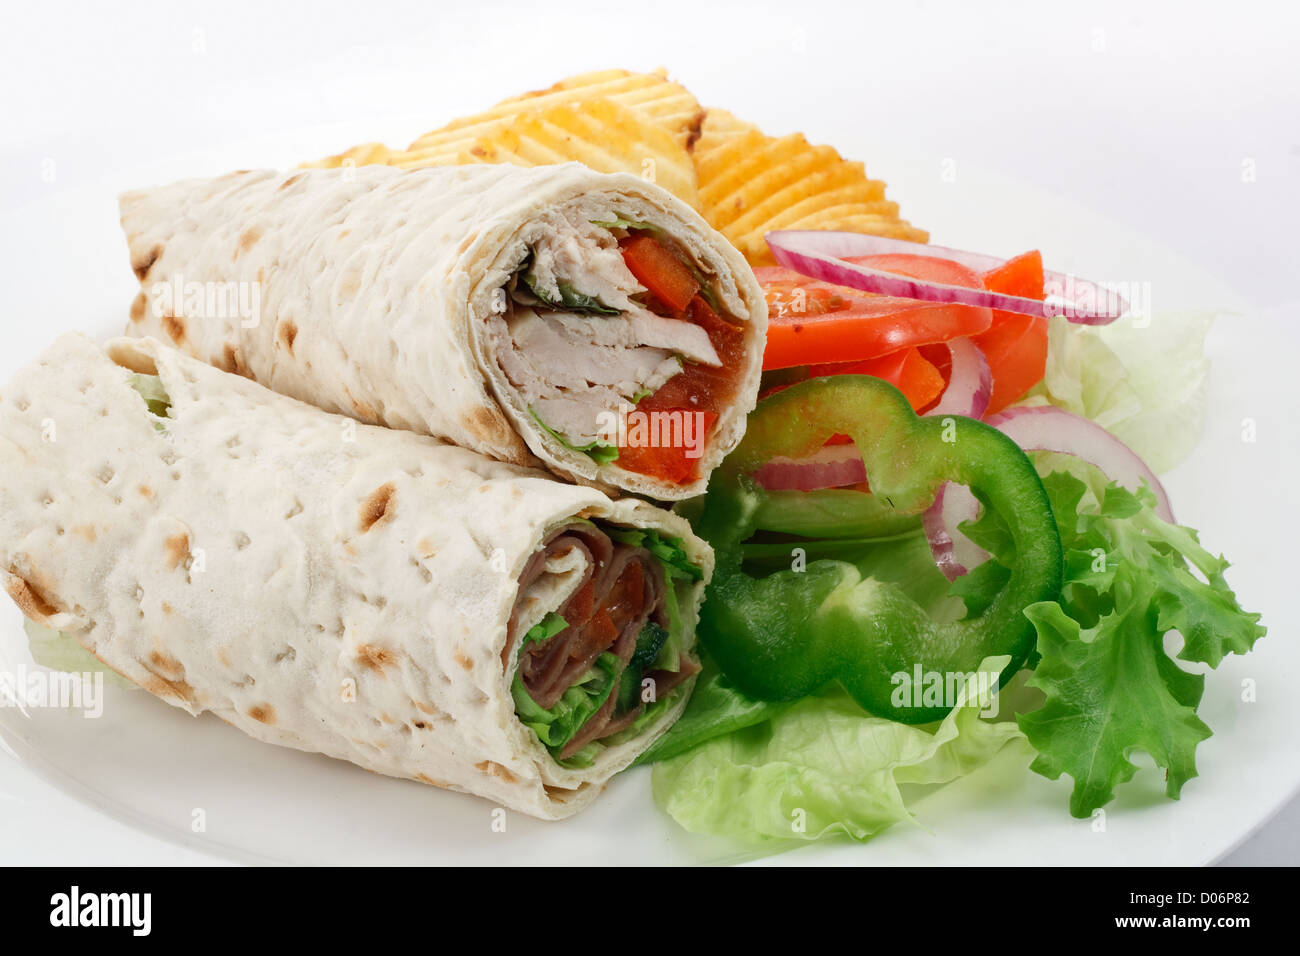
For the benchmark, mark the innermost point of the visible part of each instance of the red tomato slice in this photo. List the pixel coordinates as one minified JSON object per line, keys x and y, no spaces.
{"x":814,"y":323}
{"x":817,"y":323}
{"x":699,"y":388}
{"x":669,"y":462}
{"x":906,"y":370}
{"x":1016,"y":350}
{"x":662,"y":273}
{"x":926,"y":268}
{"x":1022,"y":276}
{"x":1015,"y":345}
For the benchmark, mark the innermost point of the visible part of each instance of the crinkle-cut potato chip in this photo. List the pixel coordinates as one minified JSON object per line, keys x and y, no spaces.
{"x":720,"y":125}
{"x":367,"y":154}
{"x":612,"y":121}
{"x":890,"y":227}
{"x":669,"y":104}
{"x":600,"y":133}
{"x":653,"y":95}
{"x":751,"y":184}
{"x":745,"y":182}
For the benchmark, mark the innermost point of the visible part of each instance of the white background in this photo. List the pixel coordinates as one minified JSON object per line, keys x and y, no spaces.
{"x":1180,"y":120}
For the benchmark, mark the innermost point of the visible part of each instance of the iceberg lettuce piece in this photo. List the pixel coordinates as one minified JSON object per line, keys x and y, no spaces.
{"x":1144,"y":383}
{"x":62,"y":652}
{"x":824,"y":767}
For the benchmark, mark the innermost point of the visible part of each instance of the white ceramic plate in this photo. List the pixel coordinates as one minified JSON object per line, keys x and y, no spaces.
{"x":130,"y":785}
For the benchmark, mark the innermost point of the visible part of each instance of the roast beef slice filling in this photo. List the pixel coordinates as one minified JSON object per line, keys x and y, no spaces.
{"x":620,"y":589}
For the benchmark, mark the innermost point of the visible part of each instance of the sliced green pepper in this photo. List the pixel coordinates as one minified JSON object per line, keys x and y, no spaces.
{"x":790,"y":633}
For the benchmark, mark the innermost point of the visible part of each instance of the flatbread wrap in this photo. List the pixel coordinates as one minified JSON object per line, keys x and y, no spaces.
{"x":589,"y":321}
{"x":370,"y":594}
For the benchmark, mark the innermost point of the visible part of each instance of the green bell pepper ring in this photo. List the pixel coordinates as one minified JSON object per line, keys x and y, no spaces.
{"x":787,"y":635}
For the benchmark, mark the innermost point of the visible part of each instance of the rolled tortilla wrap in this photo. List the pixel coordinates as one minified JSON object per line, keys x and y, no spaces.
{"x":492,"y":306}
{"x":356,"y":591}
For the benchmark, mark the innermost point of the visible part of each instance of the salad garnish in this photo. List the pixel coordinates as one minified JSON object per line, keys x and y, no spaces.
{"x":845,"y":258}
{"x":786,"y":634}
{"x":843,"y":552}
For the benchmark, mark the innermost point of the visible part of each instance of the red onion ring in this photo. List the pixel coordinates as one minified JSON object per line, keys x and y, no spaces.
{"x":953,"y":552}
{"x":820,"y":254}
{"x":1042,"y":428}
{"x":970,"y":385}
{"x":831,"y":466}
{"x":1047,"y":428}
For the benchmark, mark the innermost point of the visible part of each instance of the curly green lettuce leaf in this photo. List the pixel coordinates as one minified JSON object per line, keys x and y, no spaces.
{"x":1111,"y":690}
{"x":1144,"y":383}
{"x":1110,"y":687}
{"x":821,"y":767}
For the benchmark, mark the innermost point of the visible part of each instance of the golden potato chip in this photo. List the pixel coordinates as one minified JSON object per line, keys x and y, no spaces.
{"x":751,"y":184}
{"x":600,"y":133}
{"x":745,"y":182}
{"x":651,"y":94}
{"x":719,"y":126}
{"x":363,"y":155}
{"x":662,"y":102}
{"x":829,"y":201}
{"x":770,"y":175}
{"x":876,"y":226}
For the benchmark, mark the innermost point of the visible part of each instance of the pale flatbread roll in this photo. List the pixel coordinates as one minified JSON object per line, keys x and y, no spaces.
{"x":405,"y":298}
{"x":325,"y":585}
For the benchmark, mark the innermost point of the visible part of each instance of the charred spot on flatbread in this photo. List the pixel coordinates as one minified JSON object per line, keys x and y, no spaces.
{"x":494,"y":769}
{"x":263,"y":713}
{"x":33,"y":600}
{"x":375,"y":658}
{"x":488,"y":425}
{"x":138,"y":307}
{"x":142,"y":263}
{"x":166,"y":677}
{"x":248,"y":239}
{"x":363,"y":411}
{"x":174,"y":326}
{"x":176,"y":549}
{"x":232,"y":360}
{"x":285,"y":333}
{"x":164,"y":665}
{"x":378,"y":506}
